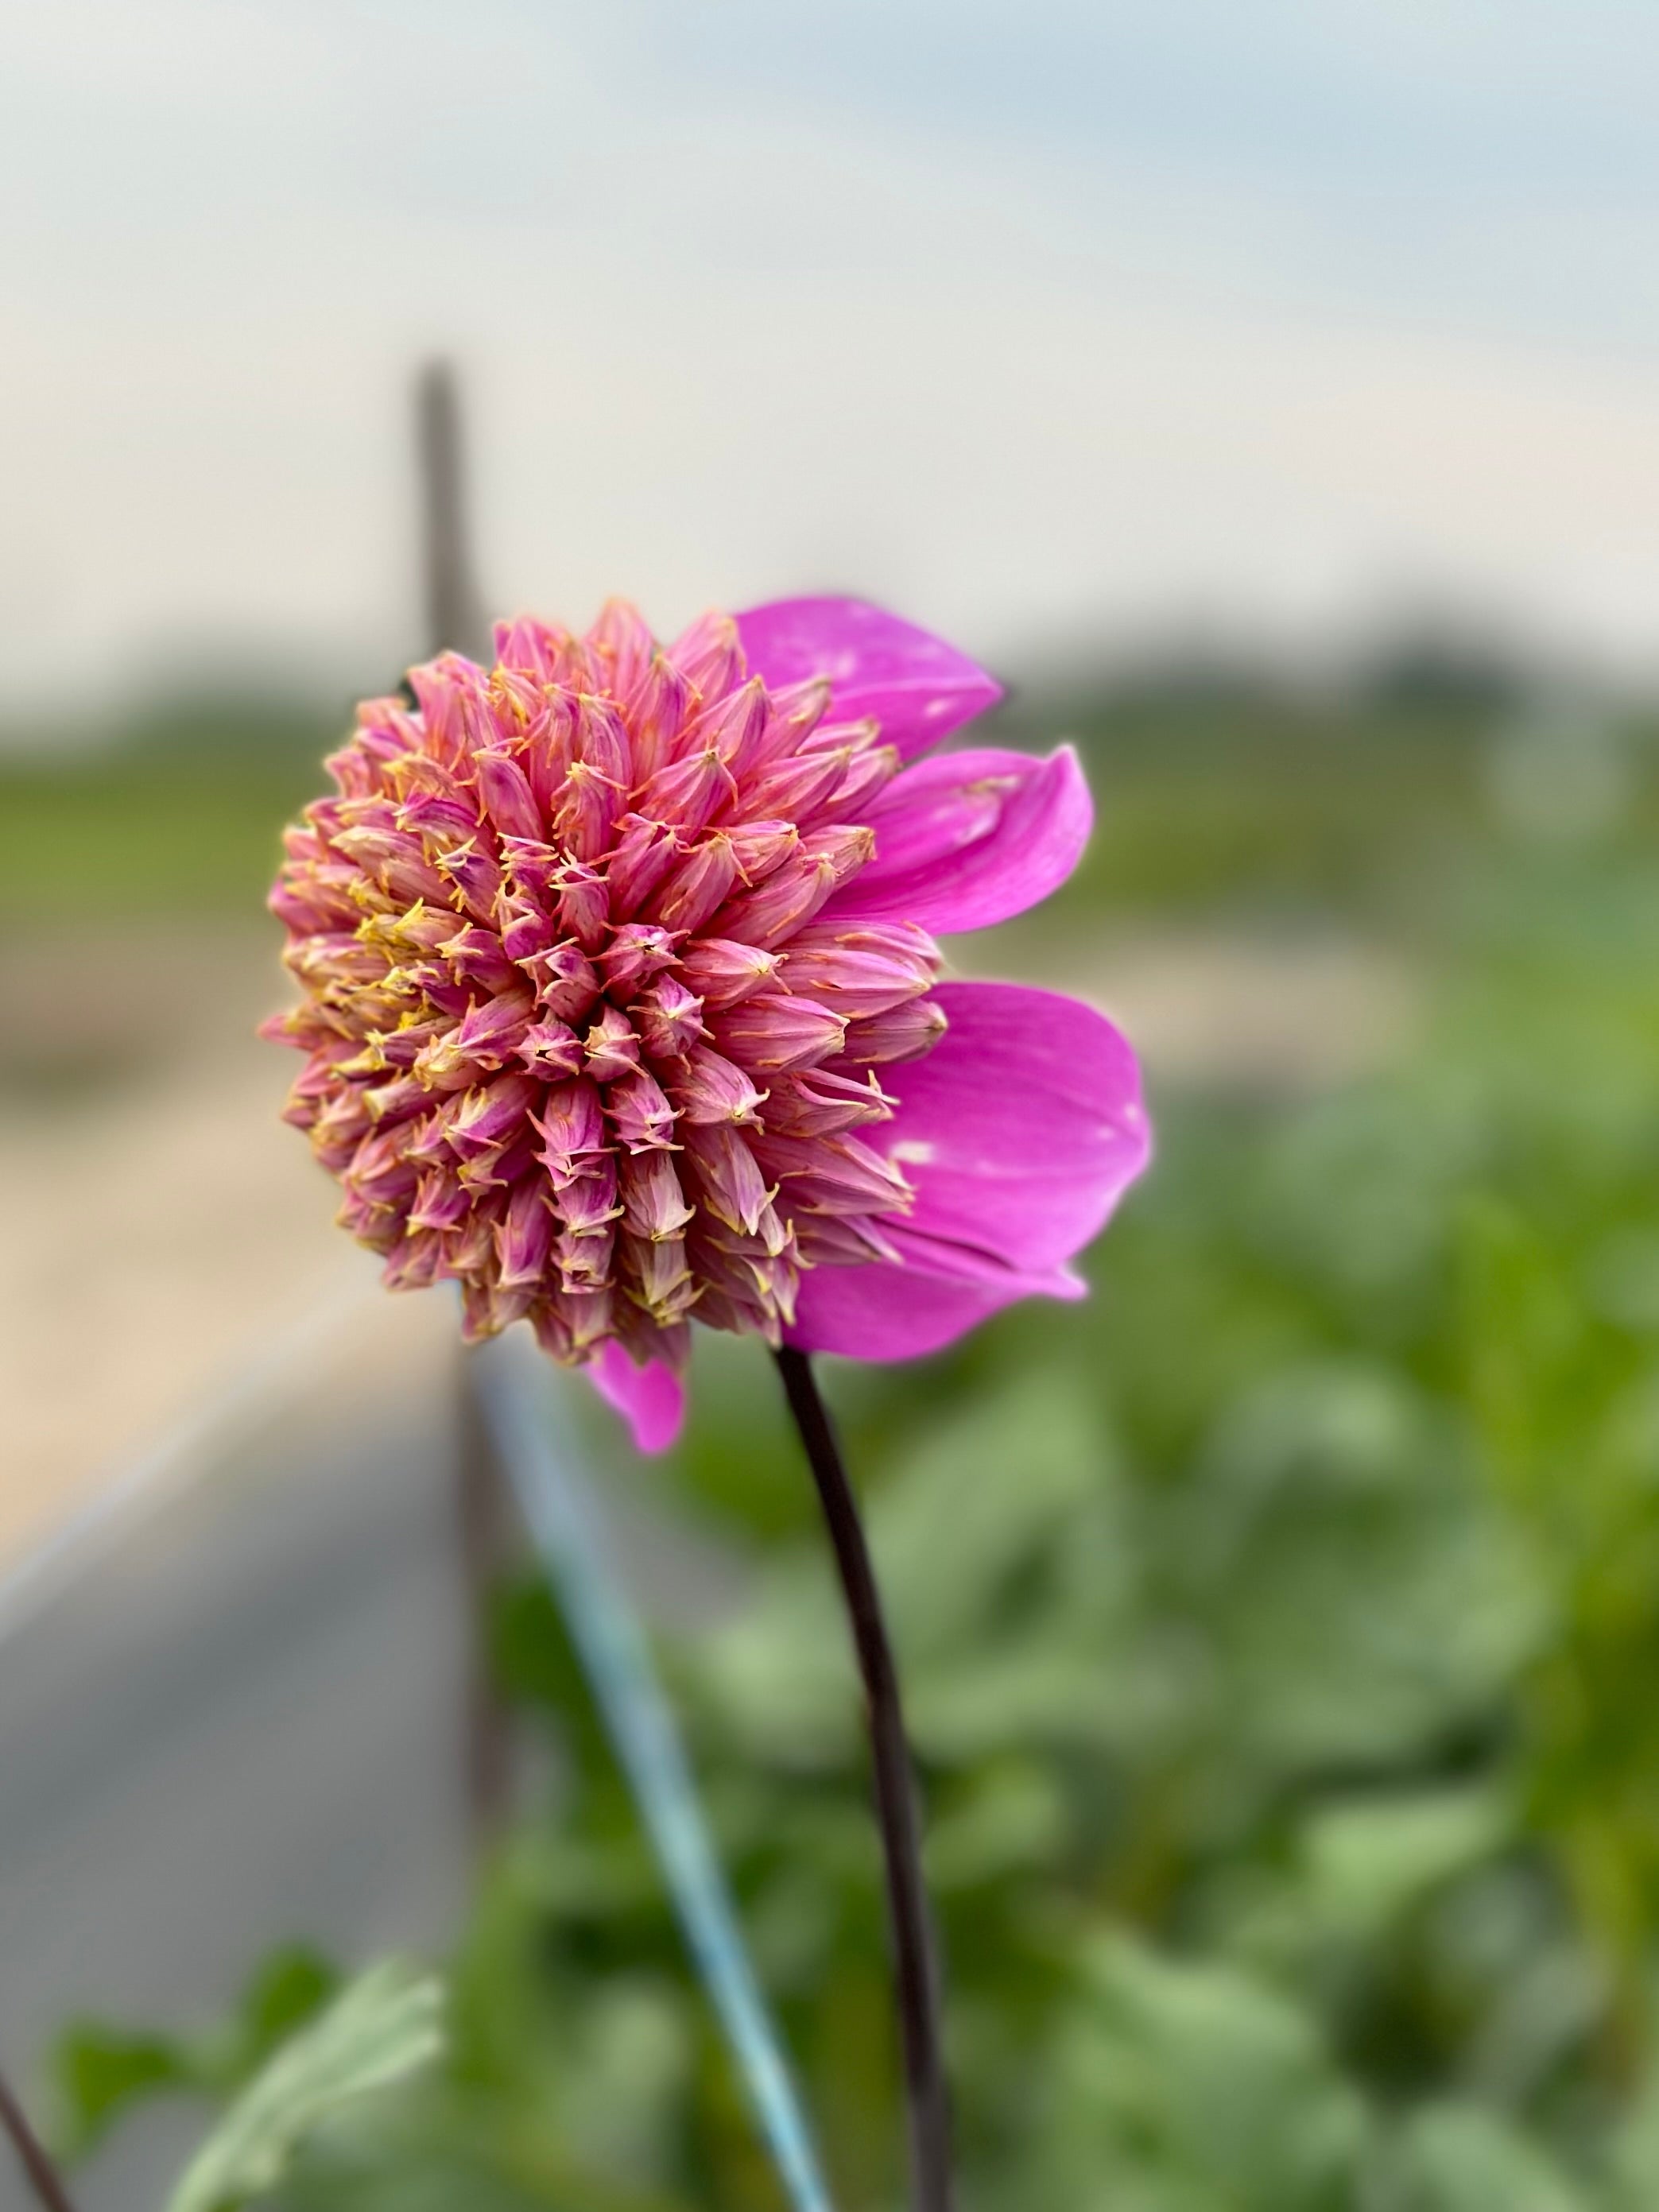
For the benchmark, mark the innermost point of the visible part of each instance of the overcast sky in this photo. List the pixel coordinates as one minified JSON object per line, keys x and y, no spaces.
{"x":1048,"y":322}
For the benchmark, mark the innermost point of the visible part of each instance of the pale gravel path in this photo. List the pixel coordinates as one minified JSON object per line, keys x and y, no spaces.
{"x":159,"y":1228}
{"x":1278,"y":1016}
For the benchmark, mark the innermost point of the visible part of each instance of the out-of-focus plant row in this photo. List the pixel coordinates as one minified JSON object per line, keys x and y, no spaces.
{"x":1280,"y":1627}
{"x":1220,"y":787}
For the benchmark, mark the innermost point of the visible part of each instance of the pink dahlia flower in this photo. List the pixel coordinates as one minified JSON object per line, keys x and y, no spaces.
{"x":622,"y":1000}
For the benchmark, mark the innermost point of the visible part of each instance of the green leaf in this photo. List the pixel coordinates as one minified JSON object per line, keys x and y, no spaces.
{"x":288,"y":1987}
{"x":99,"y":2073}
{"x":1367,"y":1864}
{"x":1179,"y":2087}
{"x":1635,"y":2153}
{"x":967,"y":1534}
{"x":1012,"y":1817}
{"x":989,"y":1492}
{"x":1359,"y":1594}
{"x":381,"y":2029}
{"x":1457,"y":2158}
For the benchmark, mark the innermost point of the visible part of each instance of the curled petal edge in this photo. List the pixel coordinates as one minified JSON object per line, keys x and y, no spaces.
{"x":915,"y":685}
{"x":968,"y":839}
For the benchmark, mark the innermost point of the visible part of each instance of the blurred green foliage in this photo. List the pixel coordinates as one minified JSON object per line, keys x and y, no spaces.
{"x":1279,"y":1629}
{"x":102,"y":2071}
{"x":176,"y":810}
{"x":1219,"y":793}
{"x":385,"y":2027}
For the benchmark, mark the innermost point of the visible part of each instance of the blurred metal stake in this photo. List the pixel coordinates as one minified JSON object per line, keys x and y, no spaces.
{"x":454,"y":622}
{"x":454,"y":618}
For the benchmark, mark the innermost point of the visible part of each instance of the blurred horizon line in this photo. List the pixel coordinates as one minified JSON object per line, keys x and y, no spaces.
{"x":1427,"y":654}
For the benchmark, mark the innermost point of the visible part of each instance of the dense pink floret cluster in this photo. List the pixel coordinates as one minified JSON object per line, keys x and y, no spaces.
{"x":621,"y":1004}
{"x":578,"y":1038}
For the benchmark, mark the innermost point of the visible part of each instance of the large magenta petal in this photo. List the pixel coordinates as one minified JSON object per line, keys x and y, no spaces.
{"x":968,"y":839}
{"x":650,"y":1399}
{"x":915,"y":685}
{"x":1020,"y":1131}
{"x":1022,"y":1128}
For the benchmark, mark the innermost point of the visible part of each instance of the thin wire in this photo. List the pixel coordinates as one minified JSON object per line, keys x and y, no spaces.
{"x":566,"y":1530}
{"x":32,"y":2155}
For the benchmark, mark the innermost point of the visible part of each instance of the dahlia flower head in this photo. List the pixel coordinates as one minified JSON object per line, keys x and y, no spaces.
{"x":622,"y":1004}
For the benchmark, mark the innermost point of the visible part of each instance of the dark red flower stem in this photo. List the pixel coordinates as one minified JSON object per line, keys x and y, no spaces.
{"x":897,"y":1813}
{"x":32,"y":2152}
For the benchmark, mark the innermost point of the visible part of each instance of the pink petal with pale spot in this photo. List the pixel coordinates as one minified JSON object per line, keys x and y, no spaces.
{"x":651,"y":1399}
{"x":1023,"y":1129}
{"x":918,"y":688}
{"x":1020,"y":1132}
{"x":968,"y":839}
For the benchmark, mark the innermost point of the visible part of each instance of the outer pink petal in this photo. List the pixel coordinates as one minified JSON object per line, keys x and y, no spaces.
{"x":650,"y":1399}
{"x":967,"y":839}
{"x":1022,"y":1128}
{"x":1020,"y":1131}
{"x":885,"y":1313}
{"x":915,"y":685}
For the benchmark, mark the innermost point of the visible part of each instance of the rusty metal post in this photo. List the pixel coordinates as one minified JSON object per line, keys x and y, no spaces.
{"x":454,"y":621}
